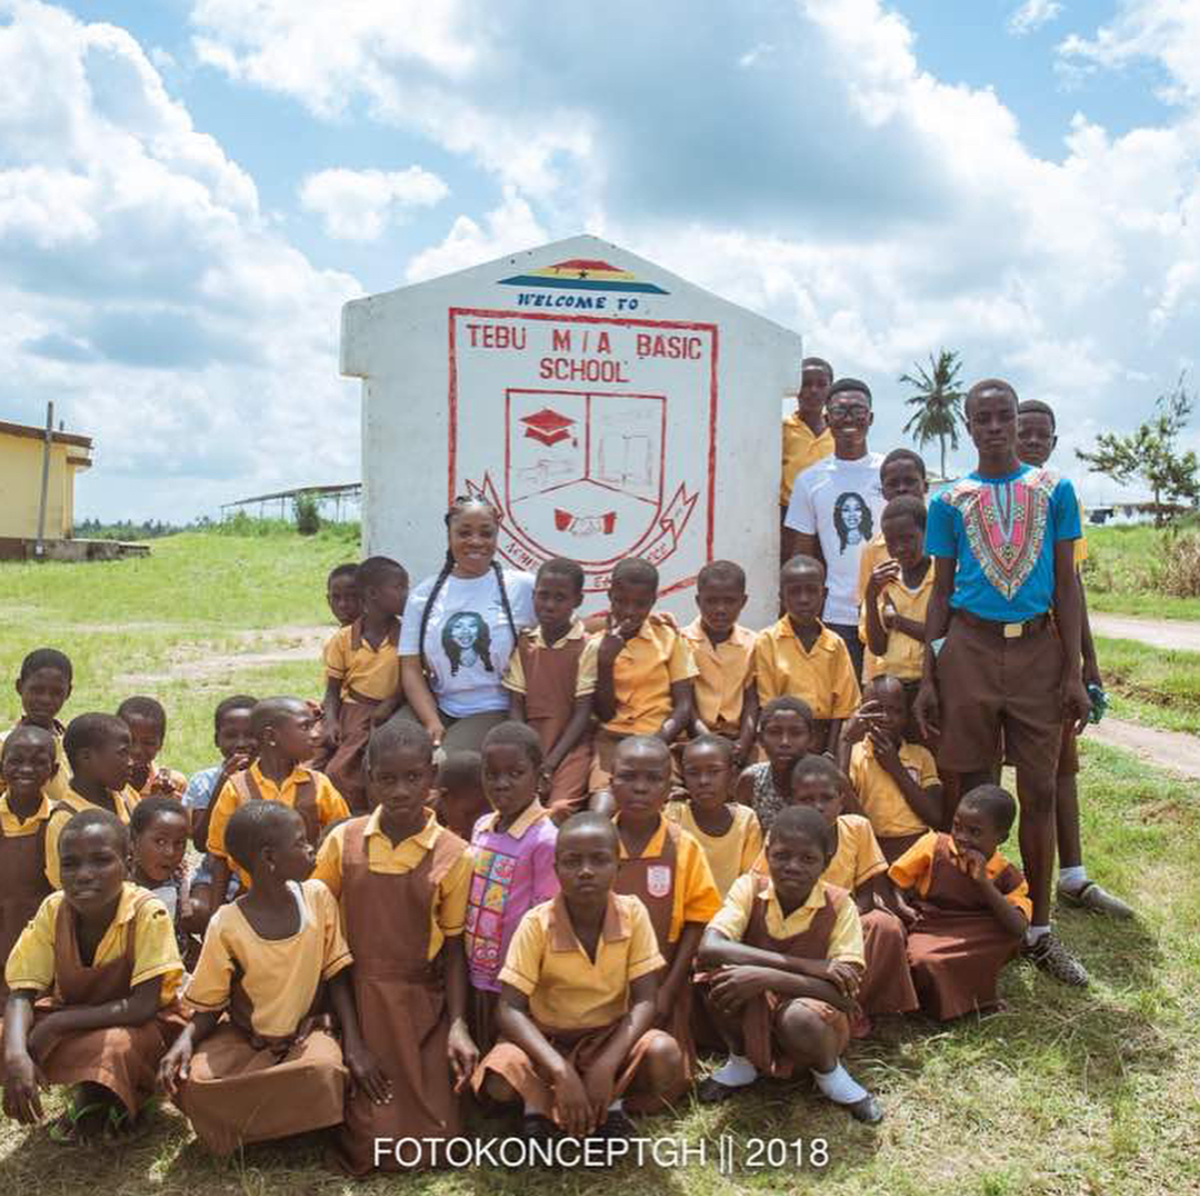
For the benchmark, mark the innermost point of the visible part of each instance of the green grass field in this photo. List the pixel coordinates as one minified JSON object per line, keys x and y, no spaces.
{"x":1122,"y":570}
{"x":1064,"y":1093}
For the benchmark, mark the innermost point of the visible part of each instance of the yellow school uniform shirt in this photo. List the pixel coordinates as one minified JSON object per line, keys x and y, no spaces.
{"x":730,"y":854}
{"x":60,"y":783}
{"x":371,"y":672}
{"x":73,"y":803}
{"x":279,"y":976}
{"x":845,"y":940}
{"x":330,"y":807}
{"x":567,"y":990}
{"x":858,"y":857}
{"x":585,"y":676}
{"x":13,"y":827}
{"x":914,"y":870}
{"x":723,"y":674}
{"x":643,"y":673}
{"x":801,"y":449}
{"x":905,"y":656}
{"x":824,"y":677}
{"x":155,"y":953}
{"x":448,"y":911}
{"x":694,"y":895}
{"x":880,"y":796}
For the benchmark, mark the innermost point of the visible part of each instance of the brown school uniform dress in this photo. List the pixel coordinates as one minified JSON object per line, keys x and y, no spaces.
{"x":345,"y":767}
{"x":759,"y":1014}
{"x":957,"y":947}
{"x":24,"y":884}
{"x":652,"y":878}
{"x":624,"y":952}
{"x":551,"y":676}
{"x":124,"y":1059}
{"x":245,"y":1087}
{"x":400,"y":996}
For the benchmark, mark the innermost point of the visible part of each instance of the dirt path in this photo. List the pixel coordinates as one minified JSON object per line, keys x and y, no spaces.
{"x":203,"y":662}
{"x":1154,"y":633}
{"x":1173,"y":751}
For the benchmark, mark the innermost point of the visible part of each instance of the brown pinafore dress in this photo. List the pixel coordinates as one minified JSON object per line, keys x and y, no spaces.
{"x":243,"y":1087}
{"x":305,"y":803}
{"x":124,"y":1059}
{"x":550,"y":678}
{"x":957,"y":947}
{"x":652,"y":878}
{"x":25,"y":887}
{"x":759,"y":1014}
{"x":400,"y":996}
{"x":345,"y":766}
{"x":579,"y":1047}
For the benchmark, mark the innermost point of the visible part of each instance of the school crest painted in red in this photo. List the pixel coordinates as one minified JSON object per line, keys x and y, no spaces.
{"x":590,"y":435}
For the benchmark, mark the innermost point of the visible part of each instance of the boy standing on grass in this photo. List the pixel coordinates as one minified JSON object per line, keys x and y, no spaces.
{"x":1003,"y":542}
{"x":1036,"y":438}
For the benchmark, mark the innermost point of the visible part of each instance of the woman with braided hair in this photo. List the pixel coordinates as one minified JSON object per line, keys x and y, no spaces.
{"x":459,"y":630}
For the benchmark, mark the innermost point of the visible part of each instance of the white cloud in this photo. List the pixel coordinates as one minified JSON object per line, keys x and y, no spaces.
{"x":357,"y":205}
{"x":1163,"y":31}
{"x":145,"y":292}
{"x":1032,"y":15}
{"x":506,"y":229}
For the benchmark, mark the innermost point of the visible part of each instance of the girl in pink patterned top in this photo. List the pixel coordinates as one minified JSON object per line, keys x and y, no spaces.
{"x":512,"y":862}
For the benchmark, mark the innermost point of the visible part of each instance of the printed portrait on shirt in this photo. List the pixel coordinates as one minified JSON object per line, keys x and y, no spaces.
{"x":467,"y":642}
{"x":852,"y":520}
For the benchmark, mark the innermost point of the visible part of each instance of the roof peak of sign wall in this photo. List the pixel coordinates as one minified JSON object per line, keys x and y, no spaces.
{"x":583,"y":262}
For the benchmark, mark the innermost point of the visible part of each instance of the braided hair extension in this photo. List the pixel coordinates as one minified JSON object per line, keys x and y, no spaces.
{"x":460,"y":503}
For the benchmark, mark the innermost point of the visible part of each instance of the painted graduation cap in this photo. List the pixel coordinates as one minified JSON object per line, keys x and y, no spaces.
{"x":607,"y":407}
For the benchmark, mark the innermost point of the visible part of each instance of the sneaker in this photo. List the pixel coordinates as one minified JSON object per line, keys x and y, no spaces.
{"x":1050,"y":956}
{"x":1091,"y":896}
{"x":868,"y":1110}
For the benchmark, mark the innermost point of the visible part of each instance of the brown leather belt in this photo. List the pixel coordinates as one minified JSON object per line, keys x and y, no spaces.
{"x":1007,"y":631}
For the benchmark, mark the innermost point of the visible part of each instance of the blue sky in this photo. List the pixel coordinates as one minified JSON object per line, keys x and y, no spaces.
{"x":189,"y":190}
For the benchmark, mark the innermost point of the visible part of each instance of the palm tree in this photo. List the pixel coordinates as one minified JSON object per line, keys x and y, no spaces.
{"x":939,"y":403}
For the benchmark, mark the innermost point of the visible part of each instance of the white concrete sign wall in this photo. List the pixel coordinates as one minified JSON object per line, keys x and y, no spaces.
{"x":608,"y":408}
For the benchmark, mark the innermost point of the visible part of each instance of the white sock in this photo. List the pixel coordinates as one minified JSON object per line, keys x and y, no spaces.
{"x":736,"y":1072}
{"x":616,"y":1106}
{"x":1036,"y":932}
{"x":1072,"y":879}
{"x":839,"y":1085}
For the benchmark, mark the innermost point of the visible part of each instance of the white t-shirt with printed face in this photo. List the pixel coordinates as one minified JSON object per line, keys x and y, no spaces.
{"x":467,"y":638}
{"x":840,"y":502}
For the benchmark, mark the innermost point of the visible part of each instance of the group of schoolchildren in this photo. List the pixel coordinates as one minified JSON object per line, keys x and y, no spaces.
{"x":684,"y":840}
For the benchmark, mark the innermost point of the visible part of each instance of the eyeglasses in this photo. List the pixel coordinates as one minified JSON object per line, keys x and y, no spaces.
{"x":848,"y":412}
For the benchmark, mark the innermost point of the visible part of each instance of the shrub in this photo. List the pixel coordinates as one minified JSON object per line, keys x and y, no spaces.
{"x":1177,"y":571}
{"x":307,"y":514}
